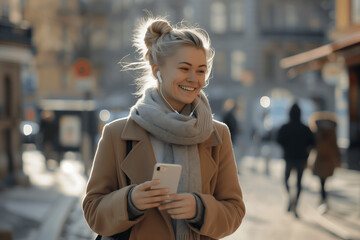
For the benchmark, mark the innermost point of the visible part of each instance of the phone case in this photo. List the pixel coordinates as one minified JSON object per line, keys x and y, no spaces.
{"x":169,"y":176}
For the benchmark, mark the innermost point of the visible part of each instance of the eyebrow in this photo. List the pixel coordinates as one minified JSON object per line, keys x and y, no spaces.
{"x":203,"y":65}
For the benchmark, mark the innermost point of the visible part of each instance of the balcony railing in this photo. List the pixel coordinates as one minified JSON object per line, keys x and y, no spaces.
{"x":14,"y":34}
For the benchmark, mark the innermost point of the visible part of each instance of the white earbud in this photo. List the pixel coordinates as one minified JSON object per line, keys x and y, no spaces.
{"x":159,"y":77}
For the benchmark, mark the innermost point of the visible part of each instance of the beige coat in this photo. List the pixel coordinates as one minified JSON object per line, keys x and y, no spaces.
{"x":105,"y":203}
{"x":328,"y":154}
{"x":327,"y":151}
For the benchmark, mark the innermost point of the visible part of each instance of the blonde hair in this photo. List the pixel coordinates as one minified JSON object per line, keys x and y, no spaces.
{"x":155,"y":39}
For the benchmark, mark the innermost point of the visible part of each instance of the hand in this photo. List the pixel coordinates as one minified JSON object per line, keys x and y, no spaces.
{"x":143,"y":197}
{"x":182,"y":206}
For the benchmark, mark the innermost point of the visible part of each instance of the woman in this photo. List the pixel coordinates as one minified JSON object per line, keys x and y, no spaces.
{"x":171,"y":123}
{"x":328,"y":157}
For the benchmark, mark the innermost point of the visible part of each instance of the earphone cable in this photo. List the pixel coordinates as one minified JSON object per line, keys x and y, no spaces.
{"x":166,"y":100}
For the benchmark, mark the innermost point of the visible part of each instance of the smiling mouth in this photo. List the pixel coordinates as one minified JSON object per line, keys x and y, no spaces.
{"x":187,"y":88}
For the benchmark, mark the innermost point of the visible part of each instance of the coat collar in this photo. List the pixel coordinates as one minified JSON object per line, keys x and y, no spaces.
{"x":139,"y":163}
{"x":132,"y":131}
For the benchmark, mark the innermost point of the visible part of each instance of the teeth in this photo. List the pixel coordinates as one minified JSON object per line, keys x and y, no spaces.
{"x":187,"y":88}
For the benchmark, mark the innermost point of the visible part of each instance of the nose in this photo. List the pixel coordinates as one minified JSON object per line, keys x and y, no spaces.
{"x":191,"y":77}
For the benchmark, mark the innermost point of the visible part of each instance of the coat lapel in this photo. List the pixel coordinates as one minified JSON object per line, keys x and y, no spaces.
{"x":207,"y":161}
{"x":139,"y":163}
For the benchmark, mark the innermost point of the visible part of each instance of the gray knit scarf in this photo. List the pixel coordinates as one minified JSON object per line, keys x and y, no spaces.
{"x":181,"y":135}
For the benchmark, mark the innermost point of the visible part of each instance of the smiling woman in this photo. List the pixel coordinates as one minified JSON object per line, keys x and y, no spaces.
{"x":170,"y":123}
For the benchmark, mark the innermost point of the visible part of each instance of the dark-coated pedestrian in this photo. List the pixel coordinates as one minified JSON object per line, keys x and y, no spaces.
{"x":296,"y":140}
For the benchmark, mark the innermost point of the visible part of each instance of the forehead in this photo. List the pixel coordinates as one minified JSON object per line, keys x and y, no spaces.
{"x":189,"y":54}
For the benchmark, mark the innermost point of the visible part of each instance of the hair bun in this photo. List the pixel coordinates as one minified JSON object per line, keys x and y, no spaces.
{"x":157,"y":29}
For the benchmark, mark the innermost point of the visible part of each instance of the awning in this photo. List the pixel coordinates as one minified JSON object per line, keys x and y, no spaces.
{"x":348,"y":48}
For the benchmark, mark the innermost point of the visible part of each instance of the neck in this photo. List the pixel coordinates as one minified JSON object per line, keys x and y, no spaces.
{"x":168,"y":104}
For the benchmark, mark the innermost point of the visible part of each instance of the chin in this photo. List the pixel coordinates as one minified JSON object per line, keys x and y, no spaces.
{"x":189,"y":101}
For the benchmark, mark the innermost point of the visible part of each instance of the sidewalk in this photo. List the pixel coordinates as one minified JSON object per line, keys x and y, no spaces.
{"x":51,"y":208}
{"x":39,"y":212}
{"x":266,"y":201}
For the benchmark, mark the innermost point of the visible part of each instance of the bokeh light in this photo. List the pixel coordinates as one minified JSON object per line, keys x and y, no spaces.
{"x":104,"y":115}
{"x":265,"y":101}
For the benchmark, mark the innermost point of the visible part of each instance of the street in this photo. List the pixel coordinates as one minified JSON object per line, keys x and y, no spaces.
{"x":51,"y":207}
{"x":266,"y":201}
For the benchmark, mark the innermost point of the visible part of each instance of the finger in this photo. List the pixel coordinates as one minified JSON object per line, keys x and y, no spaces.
{"x":177,"y":211}
{"x":171,"y":204}
{"x":157,"y":199}
{"x":148,"y":184}
{"x":146,"y":203}
{"x":158,"y":192}
{"x":181,"y":196}
{"x":151,"y":193}
{"x":148,"y":197}
{"x":175,"y":196}
{"x":144,"y":197}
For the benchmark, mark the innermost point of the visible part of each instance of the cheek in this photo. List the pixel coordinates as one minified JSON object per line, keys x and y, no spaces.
{"x":202,"y":83}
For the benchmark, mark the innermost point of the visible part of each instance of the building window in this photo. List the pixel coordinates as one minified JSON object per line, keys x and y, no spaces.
{"x":237,"y":16}
{"x":220,"y":63}
{"x":218,"y":17}
{"x":4,"y":11}
{"x":291,"y":15}
{"x":237,"y":65}
{"x":270,"y":61}
{"x":267,"y":13}
{"x":355,"y":15}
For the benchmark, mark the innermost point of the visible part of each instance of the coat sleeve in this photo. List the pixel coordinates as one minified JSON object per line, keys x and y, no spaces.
{"x":225,"y":209}
{"x":105,"y":202}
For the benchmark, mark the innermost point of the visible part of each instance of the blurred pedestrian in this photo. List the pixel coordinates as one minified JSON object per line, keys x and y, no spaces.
{"x":296,"y":140}
{"x":49,"y":134}
{"x":327,"y":156}
{"x":171,"y":123}
{"x":230,"y":119}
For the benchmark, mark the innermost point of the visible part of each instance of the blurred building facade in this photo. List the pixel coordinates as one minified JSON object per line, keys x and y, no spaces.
{"x":338,"y":62}
{"x":15,"y":58}
{"x":250,"y":37}
{"x":79,"y":44}
{"x":63,"y":40}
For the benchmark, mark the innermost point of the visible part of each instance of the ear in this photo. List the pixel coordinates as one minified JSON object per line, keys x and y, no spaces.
{"x":155,"y":68}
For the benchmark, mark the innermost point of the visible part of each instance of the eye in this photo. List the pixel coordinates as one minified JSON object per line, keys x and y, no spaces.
{"x":184,"y":68}
{"x":201,"y":71}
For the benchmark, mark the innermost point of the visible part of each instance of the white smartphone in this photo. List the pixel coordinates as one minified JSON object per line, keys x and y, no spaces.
{"x":169,"y":176}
